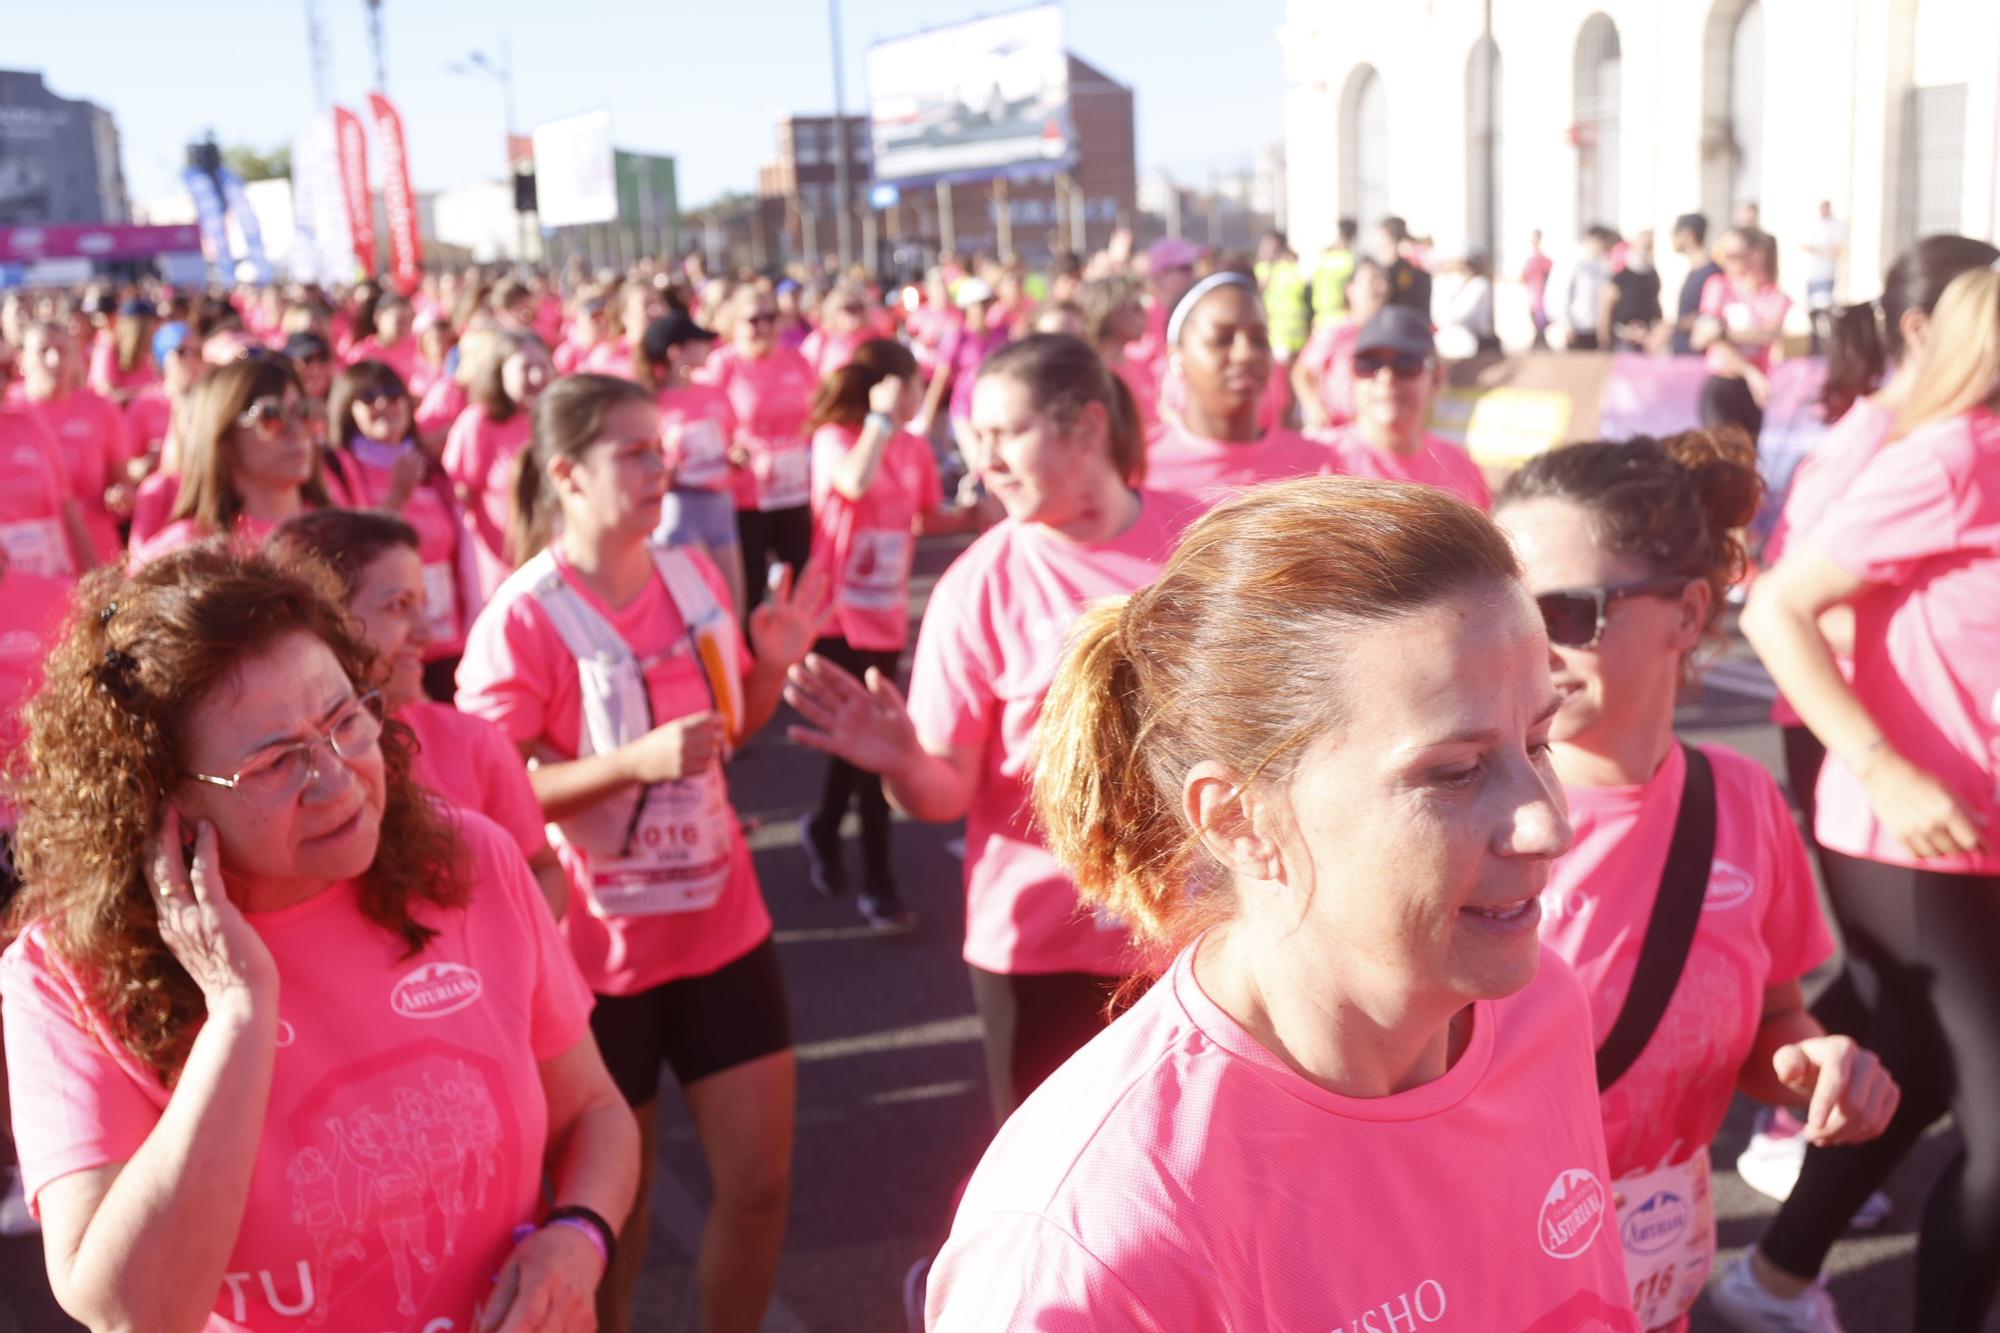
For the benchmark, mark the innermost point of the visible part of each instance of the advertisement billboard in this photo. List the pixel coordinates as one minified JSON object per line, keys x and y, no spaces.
{"x":974,"y":100}
{"x":576,"y":175}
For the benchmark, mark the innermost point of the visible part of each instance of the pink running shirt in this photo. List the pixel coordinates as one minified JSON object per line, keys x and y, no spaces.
{"x":1740,"y":311}
{"x":869,"y":545}
{"x":432,"y":510}
{"x":471,"y":763}
{"x":696,"y":428}
{"x":771,"y":396}
{"x":1212,"y":470}
{"x":405,"y":358}
{"x":404,"y":1136}
{"x":1174,"y":1176}
{"x":92,"y":445}
{"x":993,"y":635}
{"x":33,"y":494}
{"x":250,"y":533}
{"x":479,"y":458}
{"x":827,"y":352}
{"x":1921,"y":525}
{"x":1439,"y":463}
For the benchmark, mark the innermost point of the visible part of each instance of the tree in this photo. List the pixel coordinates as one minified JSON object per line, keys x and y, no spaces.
{"x":255,"y":164}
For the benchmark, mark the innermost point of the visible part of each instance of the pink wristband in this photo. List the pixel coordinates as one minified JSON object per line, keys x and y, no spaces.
{"x":579,"y":1225}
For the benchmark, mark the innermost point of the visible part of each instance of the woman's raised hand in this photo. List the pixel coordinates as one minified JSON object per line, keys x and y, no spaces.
{"x":867,"y":724}
{"x":203,"y":929}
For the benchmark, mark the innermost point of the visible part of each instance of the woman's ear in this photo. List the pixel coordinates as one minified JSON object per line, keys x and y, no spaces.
{"x":1696,"y":604}
{"x":1225,"y":814}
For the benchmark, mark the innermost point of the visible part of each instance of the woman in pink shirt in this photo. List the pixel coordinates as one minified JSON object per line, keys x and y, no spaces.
{"x":122,"y":365}
{"x":638,"y":304}
{"x":1629,"y":548}
{"x":381,"y":465}
{"x":247,"y":464}
{"x":393,"y":343}
{"x":1323,"y":373}
{"x":697,"y":426}
{"x":290,"y":1046}
{"x":41,"y":525}
{"x":770,"y":390}
{"x":875,"y":490}
{"x":1114,"y":317}
{"x":1308,"y":770}
{"x":1397,"y":376}
{"x":89,"y":431}
{"x":1222,"y":356}
{"x":622,"y":672}
{"x":1742,"y":317}
{"x":1906,"y":800}
{"x":1059,"y":446}
{"x":480,"y":451}
{"x":844,"y":325}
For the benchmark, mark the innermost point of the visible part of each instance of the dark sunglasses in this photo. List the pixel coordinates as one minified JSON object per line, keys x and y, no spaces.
{"x":1403,"y":365}
{"x":378,"y":394}
{"x":267,"y":413}
{"x":756,"y":320}
{"x":1575,"y":616}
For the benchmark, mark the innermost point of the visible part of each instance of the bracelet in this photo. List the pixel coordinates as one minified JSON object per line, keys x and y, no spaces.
{"x":577,"y":1218}
{"x":882,"y":421}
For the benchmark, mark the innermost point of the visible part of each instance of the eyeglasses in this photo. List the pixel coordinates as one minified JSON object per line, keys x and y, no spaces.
{"x":278,"y":775}
{"x":267,"y":414}
{"x":1575,"y":616}
{"x":770,"y":317}
{"x":1403,"y":365}
{"x":379,"y":394}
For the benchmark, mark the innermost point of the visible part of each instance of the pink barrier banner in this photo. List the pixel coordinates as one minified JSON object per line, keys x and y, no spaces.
{"x":399,"y":199}
{"x":25,"y":245}
{"x":351,"y":143}
{"x":1650,"y":395}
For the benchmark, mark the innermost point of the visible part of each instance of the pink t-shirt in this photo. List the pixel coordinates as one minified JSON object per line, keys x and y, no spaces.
{"x":1439,"y":463}
{"x":106,"y":378}
{"x":440,"y":407}
{"x":405,"y":358}
{"x":250,"y":533}
{"x":610,"y":356}
{"x":696,"y":426}
{"x":1145,"y":392}
{"x":827,"y":352}
{"x":1211,"y":470}
{"x":92,"y":445}
{"x":993,"y":635}
{"x":31,"y":614}
{"x":963,"y":352}
{"x":479,"y":458}
{"x":404,"y":1136}
{"x":1921,"y":525}
{"x":33,"y":493}
{"x":471,"y":763}
{"x":518,"y":673}
{"x":771,"y":397}
{"x":1821,"y":477}
{"x":869,"y":545}
{"x":365,"y":471}
{"x":153,"y":504}
{"x":1742,"y":311}
{"x":1760,"y":926}
{"x":1174,"y":1176}
{"x":1330,"y":351}
{"x":148,"y":419}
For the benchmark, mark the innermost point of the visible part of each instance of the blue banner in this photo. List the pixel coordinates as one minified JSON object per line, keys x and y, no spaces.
{"x":238,"y":205}
{"x":208,"y":210}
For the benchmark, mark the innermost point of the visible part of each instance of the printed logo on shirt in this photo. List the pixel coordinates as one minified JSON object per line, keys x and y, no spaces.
{"x":1728,"y":886}
{"x":1572,"y":1214}
{"x":20,"y":643}
{"x":1422,"y":1304}
{"x":436,"y":989}
{"x":1657,"y":1223}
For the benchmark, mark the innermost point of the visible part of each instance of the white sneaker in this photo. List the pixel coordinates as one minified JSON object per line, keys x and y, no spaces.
{"x":1745,"y":1304}
{"x":1770,"y":1164}
{"x":15,"y":1219}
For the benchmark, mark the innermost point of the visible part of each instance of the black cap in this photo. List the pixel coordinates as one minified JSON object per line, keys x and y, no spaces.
{"x":1397,"y":328}
{"x":306,"y":345}
{"x":671,"y":330}
{"x":136,"y":308}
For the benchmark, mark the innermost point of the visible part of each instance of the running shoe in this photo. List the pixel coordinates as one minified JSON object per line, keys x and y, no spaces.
{"x":823,"y":864}
{"x":1770,"y":1164}
{"x":1746,"y":1305}
{"x":882,"y":907}
{"x":15,"y":1219}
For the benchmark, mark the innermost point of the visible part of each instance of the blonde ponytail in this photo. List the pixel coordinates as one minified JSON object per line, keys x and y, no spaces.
{"x":1961,"y":367}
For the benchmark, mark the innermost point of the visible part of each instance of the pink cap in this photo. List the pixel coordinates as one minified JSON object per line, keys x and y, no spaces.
{"x":1170,"y":252}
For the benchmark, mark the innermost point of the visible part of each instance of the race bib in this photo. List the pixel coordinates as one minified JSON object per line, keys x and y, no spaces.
{"x":677,"y":859}
{"x":1666,"y":1219}
{"x":441,"y":601}
{"x":38,"y":546}
{"x":784,"y":475}
{"x":877,"y":569}
{"x":701,"y":456}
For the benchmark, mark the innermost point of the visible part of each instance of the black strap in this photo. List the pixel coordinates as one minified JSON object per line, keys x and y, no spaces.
{"x":1670,"y":930}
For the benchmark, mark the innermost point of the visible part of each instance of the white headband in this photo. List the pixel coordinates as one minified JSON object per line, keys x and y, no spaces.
{"x":1194,"y":296}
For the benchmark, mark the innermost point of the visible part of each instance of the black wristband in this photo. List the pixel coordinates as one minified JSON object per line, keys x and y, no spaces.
{"x":592,"y":1219}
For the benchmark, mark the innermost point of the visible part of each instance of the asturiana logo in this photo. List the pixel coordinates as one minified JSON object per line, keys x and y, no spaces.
{"x":436,"y":989}
{"x":1728,"y":886}
{"x":1656,"y":1223}
{"x":1422,"y":1304}
{"x":1572,"y":1214}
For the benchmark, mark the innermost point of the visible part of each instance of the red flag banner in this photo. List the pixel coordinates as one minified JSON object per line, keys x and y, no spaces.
{"x":351,"y":141}
{"x":399,"y":200}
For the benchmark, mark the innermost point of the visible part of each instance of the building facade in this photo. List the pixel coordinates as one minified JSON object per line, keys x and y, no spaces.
{"x":1478,"y":120}
{"x":59,"y":157}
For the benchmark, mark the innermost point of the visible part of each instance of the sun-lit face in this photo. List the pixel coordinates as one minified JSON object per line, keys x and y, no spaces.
{"x":1040,"y":472}
{"x":617,"y":483}
{"x":388,"y":602}
{"x":1225,"y":353}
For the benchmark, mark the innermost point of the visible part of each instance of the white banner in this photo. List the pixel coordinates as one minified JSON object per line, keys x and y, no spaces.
{"x":576,"y":174}
{"x":321,"y":249}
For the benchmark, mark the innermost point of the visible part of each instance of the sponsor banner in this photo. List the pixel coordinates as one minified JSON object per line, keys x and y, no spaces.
{"x":399,"y":199}
{"x":322,"y":250}
{"x":212,"y":217}
{"x":576,"y":172}
{"x":982,"y":98}
{"x":351,"y":148}
{"x":1650,"y":395}
{"x":252,"y":265}
{"x":23,"y":245}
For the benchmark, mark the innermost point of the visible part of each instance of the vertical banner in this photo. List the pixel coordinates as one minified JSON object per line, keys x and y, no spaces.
{"x":399,"y":200}
{"x":351,"y":141}
{"x":209,"y":212}
{"x":254,"y":266}
{"x":322,"y":250}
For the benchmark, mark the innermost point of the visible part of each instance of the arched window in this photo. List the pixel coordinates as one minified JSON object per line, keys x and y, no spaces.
{"x":1482,"y":147}
{"x":1732,"y":102}
{"x":1364,"y":154}
{"x":1595,"y":129}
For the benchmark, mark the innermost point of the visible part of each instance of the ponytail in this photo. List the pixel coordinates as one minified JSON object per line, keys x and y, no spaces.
{"x":1855,"y":357}
{"x":529,"y":528}
{"x":1961,"y":369}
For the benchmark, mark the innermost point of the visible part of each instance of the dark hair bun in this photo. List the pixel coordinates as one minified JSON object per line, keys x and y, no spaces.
{"x":1723,"y":464}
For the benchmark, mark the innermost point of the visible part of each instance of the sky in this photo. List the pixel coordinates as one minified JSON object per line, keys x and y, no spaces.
{"x":702,"y":80}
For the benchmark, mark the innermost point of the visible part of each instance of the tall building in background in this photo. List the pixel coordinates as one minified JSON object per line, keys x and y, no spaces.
{"x":59,"y":157}
{"x":797,"y":198}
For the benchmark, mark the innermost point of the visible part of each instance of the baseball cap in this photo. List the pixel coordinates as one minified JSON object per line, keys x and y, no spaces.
{"x":167,"y":339}
{"x":306,"y":345}
{"x":1397,"y":328}
{"x":971,"y":292}
{"x":1171,"y":252}
{"x":671,"y":330}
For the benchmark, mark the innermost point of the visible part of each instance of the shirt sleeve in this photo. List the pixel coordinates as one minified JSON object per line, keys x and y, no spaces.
{"x":1901,"y":510}
{"x":507,"y":673}
{"x":509,"y":796}
{"x":460,"y":443}
{"x":1020,"y":1271}
{"x":558,"y":1000}
{"x":1714,"y":294}
{"x":952,"y":698}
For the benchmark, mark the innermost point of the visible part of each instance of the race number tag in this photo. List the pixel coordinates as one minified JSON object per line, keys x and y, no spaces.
{"x":38,"y":546}
{"x":1666,"y":1219}
{"x":677,"y":859}
{"x":877,"y":569}
{"x":784,"y":475}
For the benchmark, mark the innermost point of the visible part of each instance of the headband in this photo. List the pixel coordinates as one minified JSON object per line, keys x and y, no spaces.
{"x":1195,"y":295}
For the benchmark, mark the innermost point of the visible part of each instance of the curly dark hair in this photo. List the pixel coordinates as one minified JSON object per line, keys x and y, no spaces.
{"x":106,"y":740}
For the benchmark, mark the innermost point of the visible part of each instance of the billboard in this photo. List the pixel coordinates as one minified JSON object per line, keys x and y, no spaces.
{"x":648,"y":203}
{"x":576,"y":177}
{"x":971,"y":101}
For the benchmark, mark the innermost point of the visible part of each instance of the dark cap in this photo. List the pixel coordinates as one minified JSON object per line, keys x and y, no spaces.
{"x":137,"y":309}
{"x":671,"y":330}
{"x":1397,"y":328}
{"x":306,"y":345}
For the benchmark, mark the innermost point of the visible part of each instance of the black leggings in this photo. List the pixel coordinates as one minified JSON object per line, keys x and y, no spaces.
{"x":1932,"y":989}
{"x":784,"y":535}
{"x":1033,"y":1021}
{"x":1839,"y":1007}
{"x":847,"y":785}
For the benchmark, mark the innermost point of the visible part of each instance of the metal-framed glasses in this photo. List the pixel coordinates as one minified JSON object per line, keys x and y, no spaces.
{"x":1575,"y":616}
{"x":283,"y":772}
{"x":267,"y":415}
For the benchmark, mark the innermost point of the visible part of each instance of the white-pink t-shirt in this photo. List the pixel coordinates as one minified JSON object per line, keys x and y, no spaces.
{"x":1174,"y":1176}
{"x":149,"y":417}
{"x":1921,"y":525}
{"x":92,"y":444}
{"x":1211,"y":471}
{"x":696,"y":428}
{"x":518,"y":673}
{"x":994,"y":632}
{"x":439,"y":407}
{"x":771,"y":396}
{"x":471,"y":763}
{"x":33,"y":494}
{"x":827,"y":352}
{"x":1760,"y":926}
{"x":404,"y":1136}
{"x":868,"y":546}
{"x":608,"y":356}
{"x":1741,"y":312}
{"x":1438,"y":463}
{"x":366,"y":472}
{"x":249,"y":534}
{"x":479,"y":457}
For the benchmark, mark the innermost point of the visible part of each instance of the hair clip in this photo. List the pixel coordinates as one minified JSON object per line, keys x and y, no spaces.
{"x":110,"y":610}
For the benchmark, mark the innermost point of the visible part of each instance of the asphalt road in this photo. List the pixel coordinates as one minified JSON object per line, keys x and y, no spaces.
{"x":893,"y":1111}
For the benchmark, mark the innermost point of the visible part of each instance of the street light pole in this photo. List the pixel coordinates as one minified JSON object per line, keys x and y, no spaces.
{"x":843,"y":216}
{"x":501,"y":72}
{"x":375,"y":42}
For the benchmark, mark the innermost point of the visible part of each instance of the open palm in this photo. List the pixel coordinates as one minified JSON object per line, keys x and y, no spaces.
{"x":786,"y":622}
{"x":866,"y":724}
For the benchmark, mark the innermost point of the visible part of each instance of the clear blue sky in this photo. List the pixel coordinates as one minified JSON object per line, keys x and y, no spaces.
{"x":703,"y":80}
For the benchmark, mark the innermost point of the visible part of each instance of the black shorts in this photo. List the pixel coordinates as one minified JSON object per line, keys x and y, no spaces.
{"x":697,"y":1026}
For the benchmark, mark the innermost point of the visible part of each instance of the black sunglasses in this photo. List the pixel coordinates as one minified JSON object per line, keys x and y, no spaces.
{"x":268,"y":413}
{"x":1575,"y":616}
{"x":1403,"y":365}
{"x":379,"y":393}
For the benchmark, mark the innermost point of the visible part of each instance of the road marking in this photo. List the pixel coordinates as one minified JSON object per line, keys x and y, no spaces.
{"x":939,"y":1032}
{"x":924,"y":1092}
